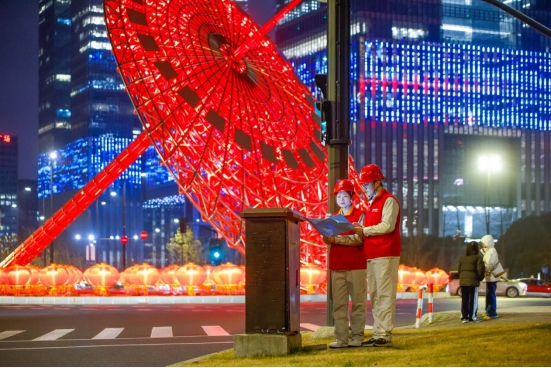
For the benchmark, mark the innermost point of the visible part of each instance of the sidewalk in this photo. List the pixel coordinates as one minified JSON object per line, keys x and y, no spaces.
{"x":450,"y":319}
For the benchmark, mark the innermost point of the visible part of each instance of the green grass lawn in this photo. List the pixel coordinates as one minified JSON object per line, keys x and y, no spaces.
{"x":478,"y":345}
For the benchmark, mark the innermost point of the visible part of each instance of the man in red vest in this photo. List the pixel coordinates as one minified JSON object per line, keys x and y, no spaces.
{"x":382,"y":247}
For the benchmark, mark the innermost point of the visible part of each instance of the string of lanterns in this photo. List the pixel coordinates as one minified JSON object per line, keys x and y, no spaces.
{"x":189,"y":279}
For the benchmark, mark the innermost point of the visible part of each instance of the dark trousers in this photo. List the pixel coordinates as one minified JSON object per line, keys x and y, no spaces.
{"x":469,"y":302}
{"x":491,"y":301}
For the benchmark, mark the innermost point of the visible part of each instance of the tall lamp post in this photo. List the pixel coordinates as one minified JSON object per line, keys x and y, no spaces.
{"x":335,"y":87}
{"x":490,"y":164}
{"x":53,"y":158}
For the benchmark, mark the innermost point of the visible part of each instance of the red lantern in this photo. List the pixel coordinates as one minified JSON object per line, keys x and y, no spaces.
{"x":310,"y":275}
{"x":4,"y":278}
{"x":101,"y":276}
{"x":127,"y":276}
{"x":34,"y":275}
{"x":191,"y":275}
{"x":75,"y":275}
{"x":405,"y":275}
{"x":146,"y":275}
{"x":168,"y":275}
{"x":227,"y":274}
{"x":437,"y":277}
{"x":18,"y":275}
{"x":143,"y":235}
{"x":124,"y":240}
{"x":243,"y":269}
{"x":54,"y":276}
{"x":419,"y":277}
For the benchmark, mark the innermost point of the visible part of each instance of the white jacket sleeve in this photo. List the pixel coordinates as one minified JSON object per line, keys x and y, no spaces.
{"x":491,"y":260}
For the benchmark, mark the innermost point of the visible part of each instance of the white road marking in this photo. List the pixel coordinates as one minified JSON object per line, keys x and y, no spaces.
{"x":118,"y":345}
{"x":215,"y":331}
{"x":108,"y":333}
{"x":161,"y":332}
{"x":6,"y":334}
{"x":54,"y":335}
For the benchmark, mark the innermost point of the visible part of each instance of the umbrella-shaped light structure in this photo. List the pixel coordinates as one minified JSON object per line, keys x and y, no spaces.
{"x":225,"y":112}
{"x":227,"y":116}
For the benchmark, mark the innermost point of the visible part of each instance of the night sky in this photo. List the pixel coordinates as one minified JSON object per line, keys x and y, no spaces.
{"x":19,"y":81}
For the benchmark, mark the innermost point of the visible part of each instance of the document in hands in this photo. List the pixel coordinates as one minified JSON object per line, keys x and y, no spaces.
{"x":331,"y":226}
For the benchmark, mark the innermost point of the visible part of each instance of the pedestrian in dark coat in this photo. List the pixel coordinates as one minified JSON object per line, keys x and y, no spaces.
{"x":471,"y":272}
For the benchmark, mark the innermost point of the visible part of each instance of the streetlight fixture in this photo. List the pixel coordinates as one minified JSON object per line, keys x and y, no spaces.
{"x":490,"y":164}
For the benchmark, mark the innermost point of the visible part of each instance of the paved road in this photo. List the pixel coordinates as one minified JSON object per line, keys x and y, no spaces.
{"x":150,"y":335}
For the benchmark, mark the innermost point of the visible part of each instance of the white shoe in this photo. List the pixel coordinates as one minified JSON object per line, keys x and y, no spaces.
{"x":338,"y":345}
{"x":354,"y":343}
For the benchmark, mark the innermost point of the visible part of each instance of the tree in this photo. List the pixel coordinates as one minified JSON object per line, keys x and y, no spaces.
{"x":429,"y":251}
{"x":8,"y":243}
{"x":526,"y":246}
{"x":186,"y":247}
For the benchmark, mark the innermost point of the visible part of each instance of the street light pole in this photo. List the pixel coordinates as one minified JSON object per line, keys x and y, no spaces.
{"x":123,"y":223}
{"x":338,"y":121}
{"x":53,"y":157}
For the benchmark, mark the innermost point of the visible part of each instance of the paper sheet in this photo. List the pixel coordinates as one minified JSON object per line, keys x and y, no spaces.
{"x":331,"y":226}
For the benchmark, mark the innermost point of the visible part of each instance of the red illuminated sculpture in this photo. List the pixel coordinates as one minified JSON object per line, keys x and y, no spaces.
{"x":225,"y":112}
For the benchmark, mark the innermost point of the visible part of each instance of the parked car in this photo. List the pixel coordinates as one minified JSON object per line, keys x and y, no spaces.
{"x":505,"y":287}
{"x":537,"y":287}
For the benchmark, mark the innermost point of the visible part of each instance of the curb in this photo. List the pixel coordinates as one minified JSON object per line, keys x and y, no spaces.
{"x":132,"y":300}
{"x":198,"y":358}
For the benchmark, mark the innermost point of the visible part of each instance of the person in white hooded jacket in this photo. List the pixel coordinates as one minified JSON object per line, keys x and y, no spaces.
{"x":491,"y":261}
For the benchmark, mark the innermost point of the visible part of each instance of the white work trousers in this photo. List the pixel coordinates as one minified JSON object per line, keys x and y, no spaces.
{"x":344,"y":285}
{"x":382,"y":275}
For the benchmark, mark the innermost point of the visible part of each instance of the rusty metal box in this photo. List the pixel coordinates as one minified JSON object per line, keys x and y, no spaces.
{"x":272,"y":270}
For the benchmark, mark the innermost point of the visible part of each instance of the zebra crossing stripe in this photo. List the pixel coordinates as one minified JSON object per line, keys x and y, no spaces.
{"x":54,"y":335}
{"x":215,"y":331}
{"x":309,"y":326}
{"x":6,"y":334}
{"x":108,"y":333}
{"x":161,"y":332}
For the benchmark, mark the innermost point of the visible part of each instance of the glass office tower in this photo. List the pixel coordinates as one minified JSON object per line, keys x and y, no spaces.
{"x":86,"y":120}
{"x":8,"y":192}
{"x":437,"y":86}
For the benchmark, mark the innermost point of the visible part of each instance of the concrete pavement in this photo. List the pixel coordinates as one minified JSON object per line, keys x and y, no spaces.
{"x":449,"y":319}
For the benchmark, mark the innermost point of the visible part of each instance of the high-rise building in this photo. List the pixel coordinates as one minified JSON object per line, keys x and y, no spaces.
{"x":437,"y":86}
{"x":8,"y":190}
{"x":54,"y":74}
{"x":86,"y":120}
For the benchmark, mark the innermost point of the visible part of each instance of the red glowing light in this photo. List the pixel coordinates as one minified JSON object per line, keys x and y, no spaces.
{"x":225,"y":112}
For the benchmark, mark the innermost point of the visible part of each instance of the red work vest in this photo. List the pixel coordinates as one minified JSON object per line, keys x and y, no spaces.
{"x":386,"y":245}
{"x":346,"y":258}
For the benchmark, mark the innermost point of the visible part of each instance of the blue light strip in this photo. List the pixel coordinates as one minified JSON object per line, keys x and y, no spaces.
{"x":445,"y":84}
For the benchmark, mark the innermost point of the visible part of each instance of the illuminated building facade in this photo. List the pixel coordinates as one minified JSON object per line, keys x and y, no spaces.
{"x":435,"y":86}
{"x":86,"y":119}
{"x":8,"y":188}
